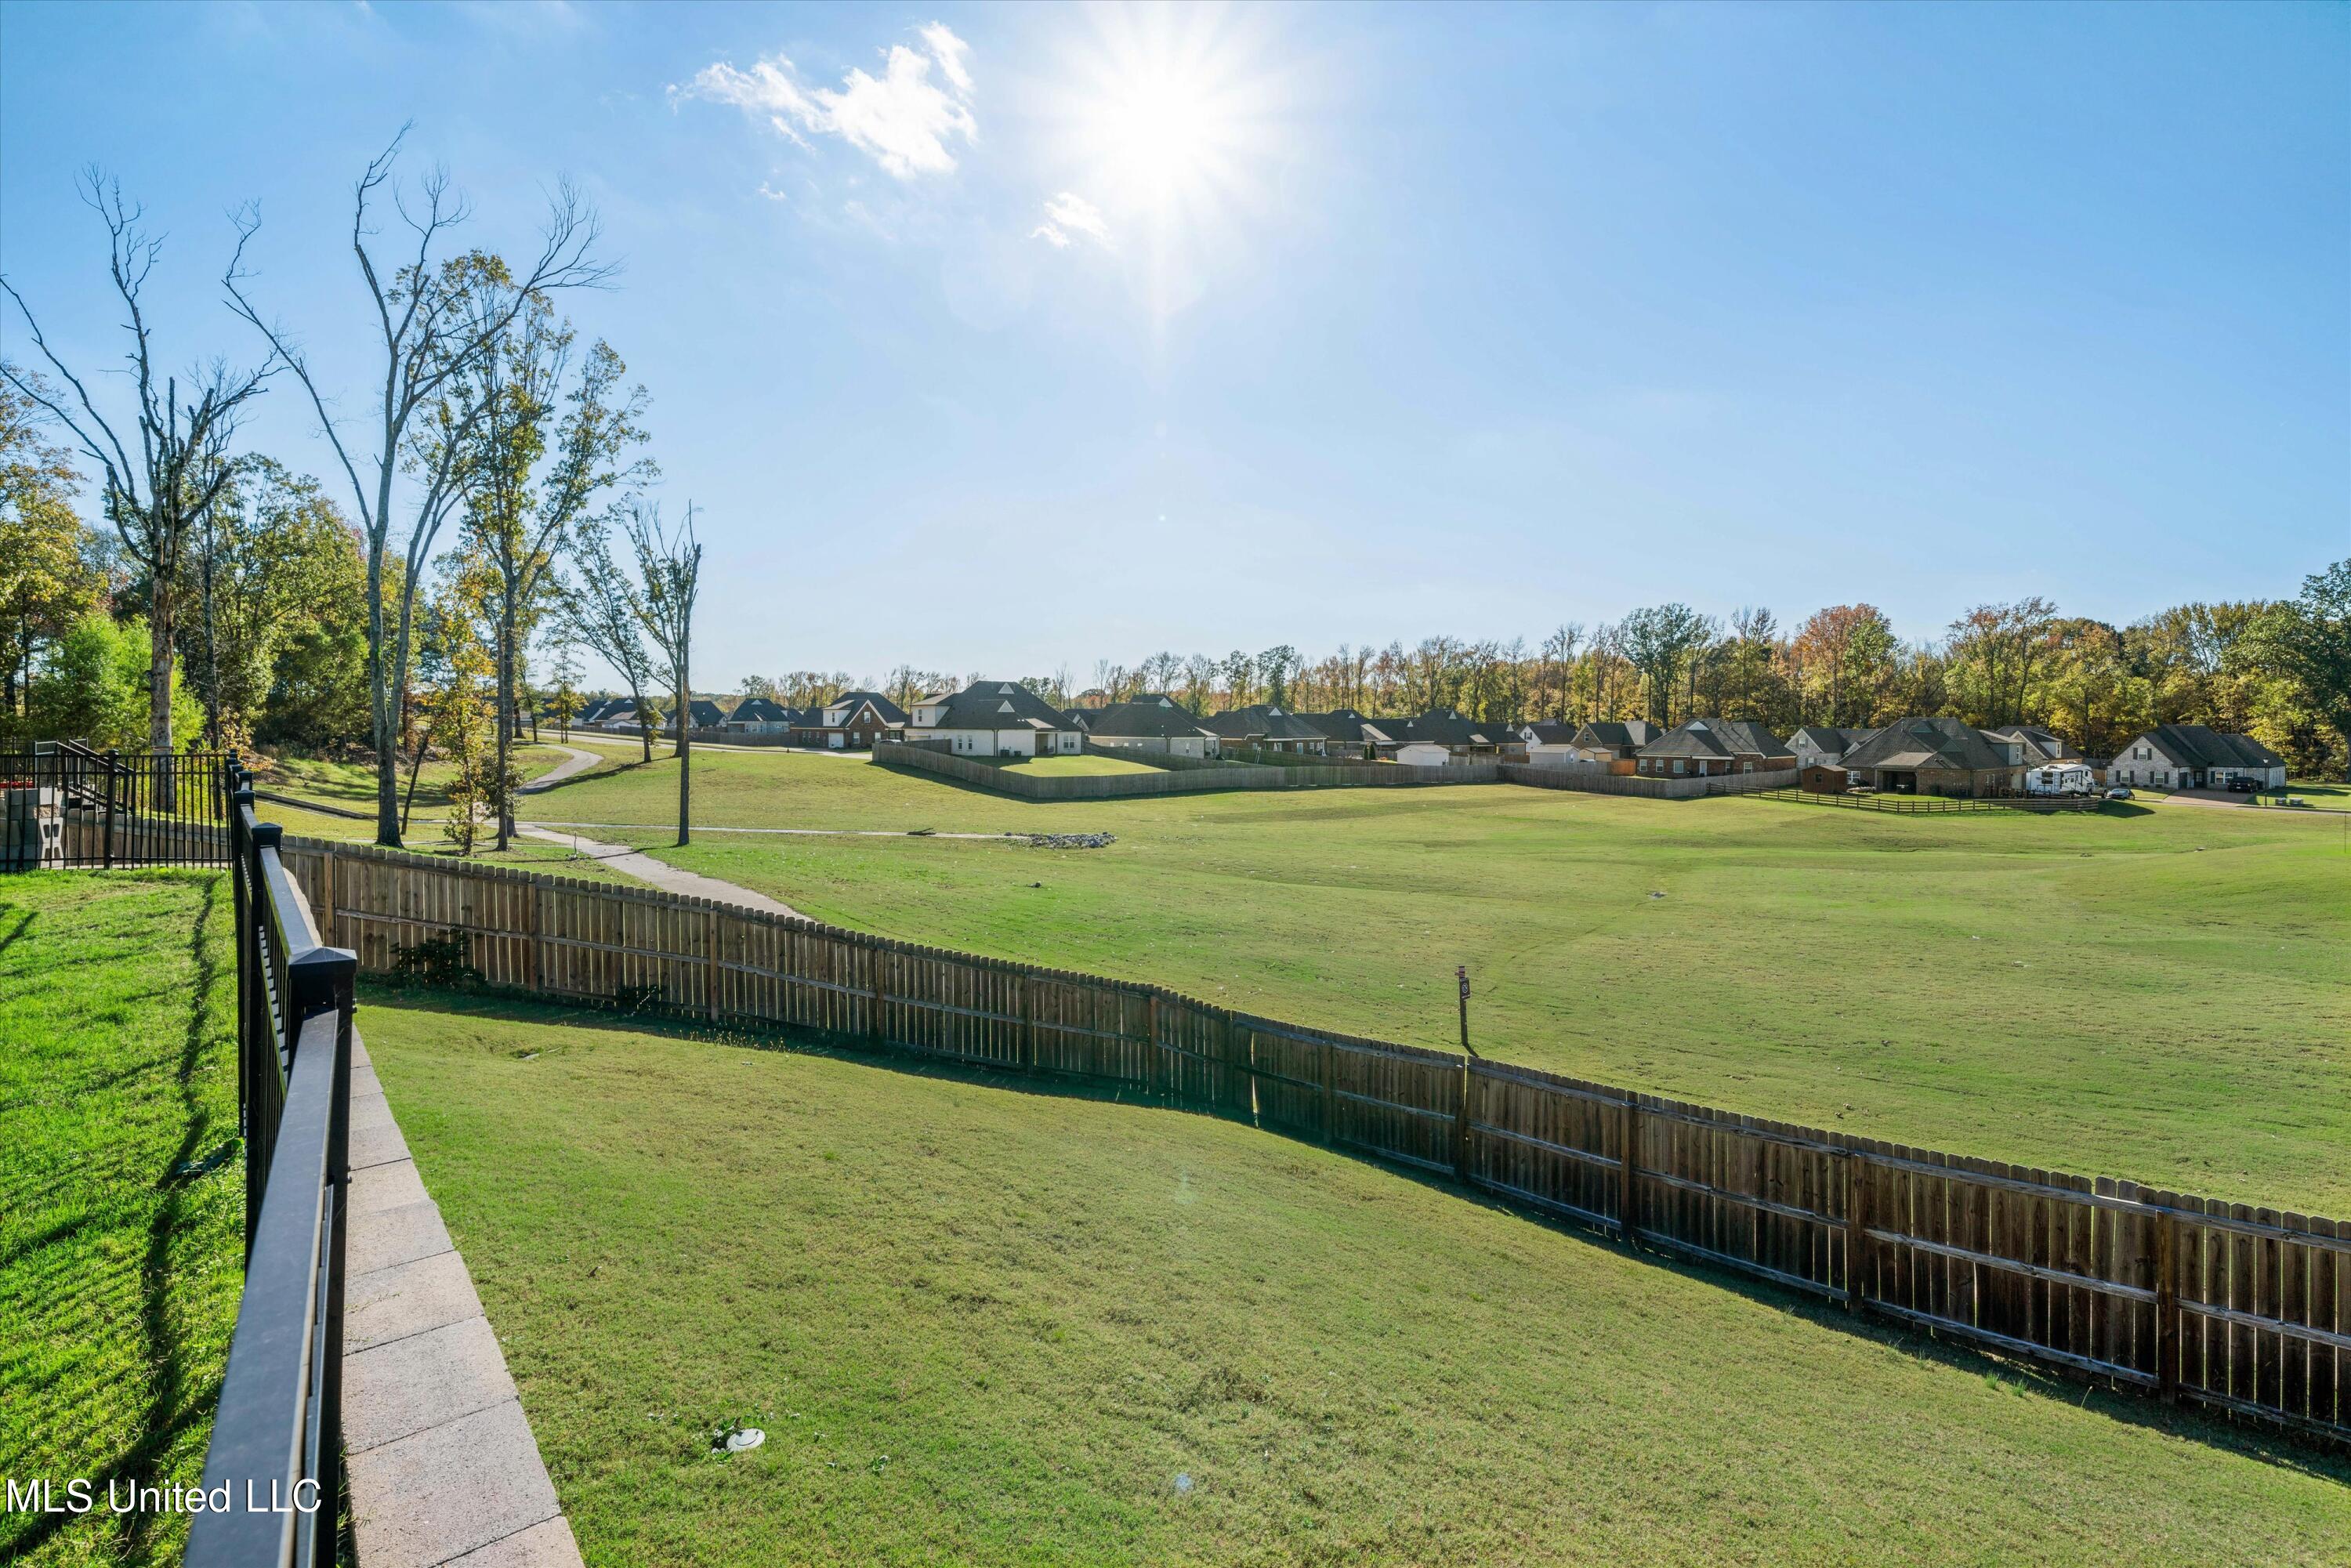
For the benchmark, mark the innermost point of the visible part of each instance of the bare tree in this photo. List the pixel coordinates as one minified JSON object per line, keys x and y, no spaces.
{"x":155,"y":497}
{"x":600,"y":615}
{"x":431,"y":338}
{"x":669,"y":572}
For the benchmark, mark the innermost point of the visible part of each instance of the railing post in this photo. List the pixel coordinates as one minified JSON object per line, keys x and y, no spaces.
{"x":107,"y":837}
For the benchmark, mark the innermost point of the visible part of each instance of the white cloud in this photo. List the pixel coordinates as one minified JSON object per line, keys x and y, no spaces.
{"x":772,"y":193}
{"x":903,"y":118}
{"x":1069,"y":214}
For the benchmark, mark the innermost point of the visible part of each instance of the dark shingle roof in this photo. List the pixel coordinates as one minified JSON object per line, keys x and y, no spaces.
{"x":1934,"y":743}
{"x":601,"y":709}
{"x":2196,"y":746}
{"x":1154,"y":719}
{"x":2045,"y":743}
{"x":1619,"y":733}
{"x":1000,"y":704}
{"x":1339,"y":723}
{"x":889,"y":712}
{"x":1446,"y":726}
{"x":759,"y":710}
{"x":1717,"y":737}
{"x":1829,"y":739}
{"x":1259,"y":721}
{"x":1550,"y":732}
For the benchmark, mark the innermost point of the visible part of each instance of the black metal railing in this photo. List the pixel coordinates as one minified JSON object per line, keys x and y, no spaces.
{"x":276,"y":1442}
{"x":120,"y":808}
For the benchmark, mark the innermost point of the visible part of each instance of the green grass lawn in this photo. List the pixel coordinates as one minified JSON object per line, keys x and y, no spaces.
{"x":119,"y":1266}
{"x":981,"y":1325}
{"x":2155,"y":993}
{"x":1081,"y":766}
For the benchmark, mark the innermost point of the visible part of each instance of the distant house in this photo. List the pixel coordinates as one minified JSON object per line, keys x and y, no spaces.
{"x":1825,"y":745}
{"x":758,"y":715}
{"x":852,"y":721}
{"x":2040,"y":745}
{"x":1346,"y":732}
{"x":993,"y":719}
{"x":2190,"y":757}
{"x":1152,"y":722}
{"x":1706,"y":747}
{"x":1937,"y":757}
{"x":597,"y":712}
{"x":1612,"y":740}
{"x":701,"y":713}
{"x":1462,"y":739}
{"x":1266,"y":728}
{"x":1551,"y":741}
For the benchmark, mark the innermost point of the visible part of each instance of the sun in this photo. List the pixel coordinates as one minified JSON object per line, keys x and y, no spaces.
{"x":1166,"y":118}
{"x":1161,"y":135}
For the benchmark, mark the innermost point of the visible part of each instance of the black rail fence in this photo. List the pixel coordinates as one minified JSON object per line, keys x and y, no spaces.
{"x":276,"y":1442}
{"x":70,"y":806}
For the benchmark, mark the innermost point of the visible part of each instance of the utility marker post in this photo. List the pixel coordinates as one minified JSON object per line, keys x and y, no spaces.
{"x":1461,"y":973}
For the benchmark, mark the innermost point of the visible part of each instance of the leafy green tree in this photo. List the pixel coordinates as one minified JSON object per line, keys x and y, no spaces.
{"x":2308,"y":640}
{"x":47,"y":580}
{"x":1659,"y":642}
{"x":93,"y":686}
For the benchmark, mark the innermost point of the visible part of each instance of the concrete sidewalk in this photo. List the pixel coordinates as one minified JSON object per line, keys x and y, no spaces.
{"x":440,"y":1459}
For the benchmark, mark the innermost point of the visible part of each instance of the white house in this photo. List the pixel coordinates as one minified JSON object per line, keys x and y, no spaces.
{"x":993,"y":719}
{"x":2190,"y":757}
{"x":1551,"y":743}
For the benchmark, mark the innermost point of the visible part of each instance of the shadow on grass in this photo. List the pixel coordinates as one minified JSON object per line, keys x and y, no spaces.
{"x":2315,"y":1456}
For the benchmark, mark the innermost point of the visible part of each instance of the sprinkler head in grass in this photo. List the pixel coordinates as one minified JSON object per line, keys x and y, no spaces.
{"x":740,"y":1440}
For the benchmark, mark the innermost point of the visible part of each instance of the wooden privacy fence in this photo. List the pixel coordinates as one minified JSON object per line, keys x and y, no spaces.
{"x":1543,"y":777}
{"x":1174,"y":782}
{"x":2246,"y":1310}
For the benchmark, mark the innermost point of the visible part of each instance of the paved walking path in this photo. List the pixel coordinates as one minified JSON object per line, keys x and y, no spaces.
{"x":440,"y":1459}
{"x":643,"y":867}
{"x":809,"y":832}
{"x":575,"y":762}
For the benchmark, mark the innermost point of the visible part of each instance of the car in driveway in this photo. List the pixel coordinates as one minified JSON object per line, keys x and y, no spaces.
{"x":2244,"y":786}
{"x":2118,"y":793}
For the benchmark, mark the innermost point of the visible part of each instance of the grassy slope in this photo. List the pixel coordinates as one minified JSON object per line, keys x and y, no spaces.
{"x":1082,"y":767}
{"x":2152,"y":994}
{"x":983,"y":1324}
{"x":353,"y":787}
{"x":118,"y":1283}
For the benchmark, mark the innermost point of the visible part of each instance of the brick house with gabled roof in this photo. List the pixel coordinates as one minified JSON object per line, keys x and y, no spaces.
{"x":1925,"y":756}
{"x":852,"y":721}
{"x":2191,"y":757}
{"x":1706,"y":746}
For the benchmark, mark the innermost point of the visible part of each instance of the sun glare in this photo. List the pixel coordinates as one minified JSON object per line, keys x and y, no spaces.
{"x":1170,"y":121}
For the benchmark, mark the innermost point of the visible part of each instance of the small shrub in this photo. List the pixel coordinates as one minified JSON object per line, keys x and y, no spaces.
{"x":443,"y":960}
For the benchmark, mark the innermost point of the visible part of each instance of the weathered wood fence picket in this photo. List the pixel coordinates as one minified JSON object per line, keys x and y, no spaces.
{"x":2246,"y":1310}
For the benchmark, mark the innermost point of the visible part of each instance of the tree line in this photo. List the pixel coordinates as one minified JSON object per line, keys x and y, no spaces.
{"x":491,"y":446}
{"x":2278,"y":671}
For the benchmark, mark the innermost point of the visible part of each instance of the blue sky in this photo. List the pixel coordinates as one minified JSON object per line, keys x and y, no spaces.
{"x":1006,"y":337}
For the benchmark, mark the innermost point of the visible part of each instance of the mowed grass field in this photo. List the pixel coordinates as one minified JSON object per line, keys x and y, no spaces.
{"x":2162,"y":993}
{"x":982,"y":1325}
{"x":122,"y":1196}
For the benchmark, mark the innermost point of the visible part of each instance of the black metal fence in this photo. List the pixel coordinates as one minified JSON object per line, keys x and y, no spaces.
{"x":105,"y":809}
{"x":276,"y":1442}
